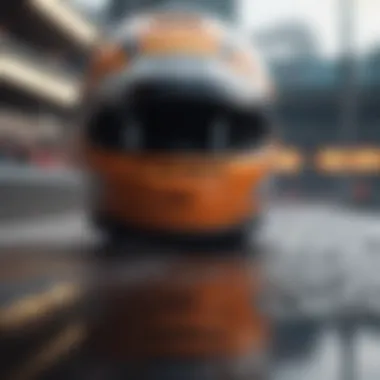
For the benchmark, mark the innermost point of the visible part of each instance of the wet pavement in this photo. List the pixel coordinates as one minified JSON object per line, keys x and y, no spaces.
{"x":47,"y":290}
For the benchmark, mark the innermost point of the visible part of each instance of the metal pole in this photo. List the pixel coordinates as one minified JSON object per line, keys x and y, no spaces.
{"x":348,"y":120}
{"x":347,"y":333}
{"x":347,"y":133}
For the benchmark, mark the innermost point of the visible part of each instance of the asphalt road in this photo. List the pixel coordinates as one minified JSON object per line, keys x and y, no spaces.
{"x":29,"y":193}
{"x":322,"y":263}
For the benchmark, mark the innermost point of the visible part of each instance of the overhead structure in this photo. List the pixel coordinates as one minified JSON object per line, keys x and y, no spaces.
{"x":37,"y":81}
{"x":42,"y":40}
{"x":31,"y":83}
{"x":48,"y":24}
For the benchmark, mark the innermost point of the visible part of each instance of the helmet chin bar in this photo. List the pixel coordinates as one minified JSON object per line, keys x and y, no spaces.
{"x":133,"y":137}
{"x":219,"y":133}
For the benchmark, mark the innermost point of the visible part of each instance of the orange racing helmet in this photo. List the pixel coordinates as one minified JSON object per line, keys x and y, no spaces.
{"x":179,"y":128}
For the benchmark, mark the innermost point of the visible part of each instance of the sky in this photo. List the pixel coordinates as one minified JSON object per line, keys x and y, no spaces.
{"x":322,"y":16}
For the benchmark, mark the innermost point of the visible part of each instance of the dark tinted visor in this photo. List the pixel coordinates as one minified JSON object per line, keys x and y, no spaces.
{"x":177,"y":126}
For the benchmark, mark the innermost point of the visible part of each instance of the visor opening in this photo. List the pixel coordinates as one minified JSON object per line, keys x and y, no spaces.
{"x":178,"y":126}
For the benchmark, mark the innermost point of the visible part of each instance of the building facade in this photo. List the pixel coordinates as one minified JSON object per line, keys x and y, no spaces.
{"x":39,"y":84}
{"x":311,"y":90}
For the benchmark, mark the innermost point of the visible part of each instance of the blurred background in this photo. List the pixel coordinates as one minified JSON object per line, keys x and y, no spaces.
{"x":323,"y":55}
{"x":323,"y":225}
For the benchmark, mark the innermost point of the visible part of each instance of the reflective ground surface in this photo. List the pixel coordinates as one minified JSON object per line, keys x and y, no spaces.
{"x":48,"y":272}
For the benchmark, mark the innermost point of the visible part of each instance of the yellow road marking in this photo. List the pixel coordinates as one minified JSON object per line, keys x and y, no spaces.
{"x":51,"y":354}
{"x":34,"y":307}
